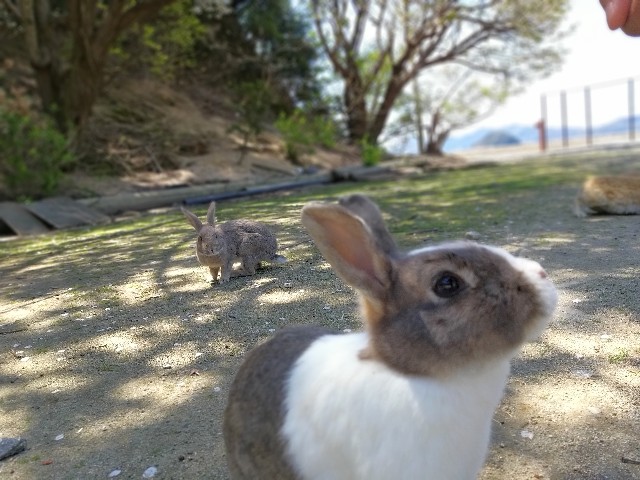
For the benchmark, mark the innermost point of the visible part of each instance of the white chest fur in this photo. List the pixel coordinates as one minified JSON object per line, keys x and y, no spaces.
{"x":352,"y":419}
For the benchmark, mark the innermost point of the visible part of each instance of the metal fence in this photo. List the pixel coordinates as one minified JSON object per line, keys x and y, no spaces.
{"x":597,"y":113}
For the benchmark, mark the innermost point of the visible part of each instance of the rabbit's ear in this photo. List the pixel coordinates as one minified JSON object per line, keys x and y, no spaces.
{"x":193,"y":220}
{"x":349,"y":245}
{"x":211,"y":214}
{"x":363,"y":207}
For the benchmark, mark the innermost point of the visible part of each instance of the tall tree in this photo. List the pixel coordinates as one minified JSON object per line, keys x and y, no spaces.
{"x":68,"y":44}
{"x":282,"y":53}
{"x":378,"y":47}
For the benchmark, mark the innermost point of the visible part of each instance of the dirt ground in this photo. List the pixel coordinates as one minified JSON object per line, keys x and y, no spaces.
{"x":116,"y":353}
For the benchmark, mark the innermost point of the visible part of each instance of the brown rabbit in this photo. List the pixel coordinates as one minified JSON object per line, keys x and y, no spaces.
{"x":219,"y":246}
{"x":411,"y":397}
{"x":618,"y":195}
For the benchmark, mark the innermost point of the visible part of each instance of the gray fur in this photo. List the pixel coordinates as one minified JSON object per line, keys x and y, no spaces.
{"x":432,"y":337}
{"x":254,"y":414}
{"x":411,"y":327}
{"x":369,"y":212}
{"x":218,"y":246}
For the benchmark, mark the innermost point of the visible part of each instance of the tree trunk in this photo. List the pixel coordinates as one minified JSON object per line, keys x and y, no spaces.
{"x":436,"y":143}
{"x":69,"y":60}
{"x":35,"y":24}
{"x":434,"y":146}
{"x":418,"y":112}
{"x":394,"y":89}
{"x":354,"y":99}
{"x":81,"y":91}
{"x":48,"y":82}
{"x":436,"y":137}
{"x":69,"y":93}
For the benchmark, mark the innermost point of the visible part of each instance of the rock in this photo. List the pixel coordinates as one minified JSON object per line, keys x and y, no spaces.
{"x":150,"y":472}
{"x":11,"y":446}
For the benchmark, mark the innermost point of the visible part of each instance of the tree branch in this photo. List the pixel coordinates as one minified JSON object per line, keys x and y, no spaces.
{"x":141,"y":12}
{"x":362,"y":15}
{"x":13,"y":9}
{"x":409,"y":36}
{"x":118,"y":19}
{"x":28,"y":15}
{"x":331,"y":52}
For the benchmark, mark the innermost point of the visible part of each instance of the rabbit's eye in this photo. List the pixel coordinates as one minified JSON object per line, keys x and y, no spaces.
{"x":447,"y":285}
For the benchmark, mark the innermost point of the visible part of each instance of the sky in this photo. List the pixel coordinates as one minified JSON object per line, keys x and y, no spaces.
{"x":596,"y":56}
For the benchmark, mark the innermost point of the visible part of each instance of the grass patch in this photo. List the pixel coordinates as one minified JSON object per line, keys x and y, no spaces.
{"x":446,"y":201}
{"x":621,"y":356}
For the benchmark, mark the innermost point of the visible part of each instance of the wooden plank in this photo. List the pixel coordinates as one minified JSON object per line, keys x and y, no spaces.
{"x":21,"y":220}
{"x":359,"y":172}
{"x":115,"y":204}
{"x":63,"y":212}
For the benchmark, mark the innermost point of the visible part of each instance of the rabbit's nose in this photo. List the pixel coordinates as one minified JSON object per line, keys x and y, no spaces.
{"x":542,"y":273}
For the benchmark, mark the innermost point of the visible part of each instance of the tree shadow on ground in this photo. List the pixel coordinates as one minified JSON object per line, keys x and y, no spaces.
{"x":130,"y":349}
{"x":130,"y":353}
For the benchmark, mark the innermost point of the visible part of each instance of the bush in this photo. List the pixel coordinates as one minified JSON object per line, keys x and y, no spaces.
{"x":301,"y":133}
{"x":33,"y":156}
{"x":253,"y":107}
{"x":324,"y":130}
{"x":371,"y":153}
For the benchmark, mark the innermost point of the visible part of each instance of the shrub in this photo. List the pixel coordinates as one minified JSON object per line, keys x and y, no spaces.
{"x":33,"y":156}
{"x":253,"y":107}
{"x":301,"y":133}
{"x":371,"y":153}
{"x":324,"y":130}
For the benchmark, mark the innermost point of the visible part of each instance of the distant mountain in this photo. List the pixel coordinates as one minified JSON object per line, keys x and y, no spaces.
{"x":497,"y":138}
{"x":529,"y":134}
{"x":620,"y":125}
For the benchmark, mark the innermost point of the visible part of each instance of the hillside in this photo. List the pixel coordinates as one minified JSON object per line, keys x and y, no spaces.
{"x":147,"y":134}
{"x":169,"y":136}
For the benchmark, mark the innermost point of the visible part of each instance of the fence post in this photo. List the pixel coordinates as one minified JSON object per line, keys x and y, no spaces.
{"x":563,"y":114}
{"x":542,"y":135}
{"x":632,"y":115}
{"x":587,"y":115}
{"x":541,"y":125}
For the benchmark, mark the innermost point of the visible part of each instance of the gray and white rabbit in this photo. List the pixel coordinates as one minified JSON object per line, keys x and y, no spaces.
{"x":411,"y":397}
{"x":218,"y":246}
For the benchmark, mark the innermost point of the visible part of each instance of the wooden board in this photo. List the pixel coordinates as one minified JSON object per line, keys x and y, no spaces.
{"x":20,"y":220}
{"x":63,"y":212}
